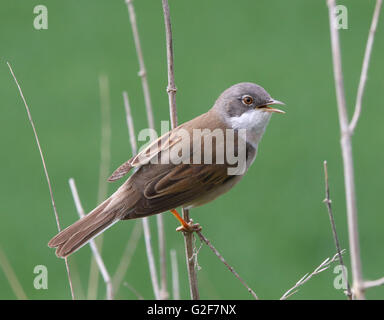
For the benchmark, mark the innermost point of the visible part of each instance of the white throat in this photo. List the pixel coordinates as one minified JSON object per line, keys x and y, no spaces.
{"x":254,"y":122}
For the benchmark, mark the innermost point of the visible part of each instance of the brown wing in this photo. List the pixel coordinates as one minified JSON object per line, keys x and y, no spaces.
{"x":175,"y":186}
{"x":160,"y":187}
{"x":163,"y":143}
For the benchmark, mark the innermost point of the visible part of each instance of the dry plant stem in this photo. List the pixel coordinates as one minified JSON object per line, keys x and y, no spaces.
{"x":134,"y":291}
{"x":364,"y":70}
{"x":171,"y":89}
{"x":346,"y":146}
{"x":45,"y":172}
{"x":151,"y":124}
{"x":217,"y":253}
{"x":92,"y":244}
{"x":328,"y":203}
{"x":126,"y":259}
{"x":151,"y":259}
{"x":373,"y":283}
{"x":105,"y":155}
{"x":175,"y":276}
{"x":190,"y":259}
{"x":77,"y":282}
{"x":105,"y":146}
{"x":140,"y":57}
{"x":130,"y":125}
{"x":145,"y":221}
{"x":11,"y":277}
{"x":322,"y":267}
{"x":163,"y":262}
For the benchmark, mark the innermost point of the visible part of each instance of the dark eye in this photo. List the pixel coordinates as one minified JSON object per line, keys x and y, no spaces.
{"x":247,"y":100}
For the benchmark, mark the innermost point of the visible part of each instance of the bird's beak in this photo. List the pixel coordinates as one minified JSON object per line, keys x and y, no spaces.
{"x":273,"y":102}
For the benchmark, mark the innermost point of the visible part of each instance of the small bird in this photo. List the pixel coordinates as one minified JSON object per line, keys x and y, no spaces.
{"x":156,"y":187}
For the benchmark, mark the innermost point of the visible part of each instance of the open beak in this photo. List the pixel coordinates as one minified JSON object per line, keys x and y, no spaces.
{"x":268,"y":107}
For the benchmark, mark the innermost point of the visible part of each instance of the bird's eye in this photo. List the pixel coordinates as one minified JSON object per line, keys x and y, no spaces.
{"x":247,"y":100}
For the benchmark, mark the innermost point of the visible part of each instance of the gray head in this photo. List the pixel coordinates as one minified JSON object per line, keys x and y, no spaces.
{"x":245,"y":96}
{"x":246,"y":106}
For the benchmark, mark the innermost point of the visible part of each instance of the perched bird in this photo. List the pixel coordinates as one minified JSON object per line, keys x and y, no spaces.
{"x":159,"y":186}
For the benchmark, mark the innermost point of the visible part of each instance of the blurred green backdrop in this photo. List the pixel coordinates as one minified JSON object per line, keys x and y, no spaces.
{"x":273,"y":227}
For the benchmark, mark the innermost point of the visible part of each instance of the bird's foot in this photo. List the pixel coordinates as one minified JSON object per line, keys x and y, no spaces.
{"x":185,"y":226}
{"x":189,"y":227}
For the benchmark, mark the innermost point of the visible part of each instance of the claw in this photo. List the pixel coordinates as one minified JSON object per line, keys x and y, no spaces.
{"x":185,"y":226}
{"x":189,"y":227}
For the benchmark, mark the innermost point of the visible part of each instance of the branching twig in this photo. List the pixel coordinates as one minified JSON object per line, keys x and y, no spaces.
{"x":45,"y":172}
{"x":92,"y":244}
{"x":217,"y":253}
{"x":322,"y":267}
{"x":364,"y":70}
{"x":140,"y":57}
{"x":373,"y":283}
{"x":328,"y":203}
{"x":151,"y":124}
{"x":147,"y":232}
{"x":346,"y":146}
{"x":171,"y":89}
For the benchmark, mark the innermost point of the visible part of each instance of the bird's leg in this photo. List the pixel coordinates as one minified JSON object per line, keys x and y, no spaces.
{"x":185,"y":226}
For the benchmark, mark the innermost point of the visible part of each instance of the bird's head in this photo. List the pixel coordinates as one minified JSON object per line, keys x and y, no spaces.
{"x":246,"y":106}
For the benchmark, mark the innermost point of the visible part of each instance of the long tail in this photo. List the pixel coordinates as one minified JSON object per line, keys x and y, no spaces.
{"x":78,"y":234}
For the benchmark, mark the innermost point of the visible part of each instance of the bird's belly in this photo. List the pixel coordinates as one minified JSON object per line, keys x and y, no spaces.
{"x":214,"y":193}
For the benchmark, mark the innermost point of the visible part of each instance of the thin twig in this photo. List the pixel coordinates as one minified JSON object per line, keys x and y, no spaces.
{"x":190,"y":259}
{"x":230,"y":268}
{"x":146,"y":228}
{"x":163,"y":254}
{"x":92,"y":244}
{"x":135,"y":292}
{"x":151,"y":259}
{"x":105,"y":144}
{"x":322,"y":267}
{"x":171,"y":89}
{"x":373,"y":283}
{"x":328,"y":204}
{"x":346,"y":147}
{"x":175,"y":276}
{"x":10,"y":275}
{"x":364,"y":70}
{"x":140,"y":57}
{"x":127,"y":255}
{"x":77,"y":282}
{"x":105,"y":159}
{"x":45,"y":172}
{"x":151,"y":125}
{"x":130,"y":125}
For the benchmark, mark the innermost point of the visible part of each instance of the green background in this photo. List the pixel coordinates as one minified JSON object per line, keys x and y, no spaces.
{"x":272,"y":227}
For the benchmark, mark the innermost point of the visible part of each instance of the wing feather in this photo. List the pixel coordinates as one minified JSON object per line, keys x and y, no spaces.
{"x":163,"y":143}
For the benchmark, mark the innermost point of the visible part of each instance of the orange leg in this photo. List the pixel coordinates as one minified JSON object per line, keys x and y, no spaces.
{"x":185,"y":226}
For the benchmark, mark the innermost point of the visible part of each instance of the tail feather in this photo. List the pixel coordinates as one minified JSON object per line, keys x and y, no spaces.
{"x":81,"y":238}
{"x":78,"y":234}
